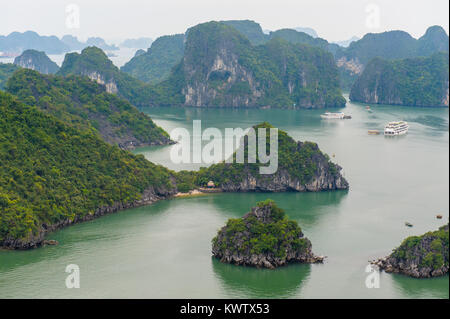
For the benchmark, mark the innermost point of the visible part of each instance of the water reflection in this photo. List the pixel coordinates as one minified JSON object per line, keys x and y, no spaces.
{"x":307,"y":208}
{"x":249,"y":282}
{"x":421,"y":288}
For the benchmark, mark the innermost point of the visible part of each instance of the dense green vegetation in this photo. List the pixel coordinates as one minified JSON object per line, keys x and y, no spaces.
{"x":94,"y":63}
{"x":278,"y":73}
{"x":6,"y":71}
{"x":397,"y":45}
{"x":415,"y":81}
{"x":245,"y":39}
{"x":294,"y":36}
{"x":36,"y":60}
{"x":155,"y":65}
{"x":390,"y":45}
{"x":299,"y":160}
{"x":434,"y":40}
{"x":52,"y":172}
{"x":432,"y":249}
{"x":249,"y":29}
{"x":86,"y":105}
{"x":255,"y":236}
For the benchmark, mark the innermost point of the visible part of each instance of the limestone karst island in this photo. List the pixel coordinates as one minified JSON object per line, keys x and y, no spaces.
{"x":224,"y":154}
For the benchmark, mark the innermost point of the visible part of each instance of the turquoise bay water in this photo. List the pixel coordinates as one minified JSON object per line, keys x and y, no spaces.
{"x":163,"y":250}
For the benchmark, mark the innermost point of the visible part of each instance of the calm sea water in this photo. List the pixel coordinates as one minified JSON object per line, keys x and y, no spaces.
{"x":164,"y":250}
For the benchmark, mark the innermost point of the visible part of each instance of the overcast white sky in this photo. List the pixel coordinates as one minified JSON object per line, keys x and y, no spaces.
{"x":115,"y":20}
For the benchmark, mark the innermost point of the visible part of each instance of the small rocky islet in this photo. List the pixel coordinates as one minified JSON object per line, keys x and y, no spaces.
{"x":263,"y":238}
{"x":422,"y":256}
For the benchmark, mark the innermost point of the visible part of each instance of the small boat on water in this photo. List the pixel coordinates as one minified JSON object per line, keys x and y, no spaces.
{"x":332,"y":116}
{"x":408,"y":224}
{"x":439,"y":216}
{"x":373,"y":132}
{"x":396,"y":128}
{"x":368,"y":109}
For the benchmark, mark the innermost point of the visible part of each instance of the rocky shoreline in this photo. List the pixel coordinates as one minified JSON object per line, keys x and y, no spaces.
{"x":282,"y":181}
{"x":149,"y":196}
{"x":263,"y":238}
{"x":423,"y":256}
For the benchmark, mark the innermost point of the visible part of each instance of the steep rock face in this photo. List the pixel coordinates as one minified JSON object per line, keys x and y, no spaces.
{"x":227,"y":69}
{"x":349,"y":70}
{"x":36,"y":60}
{"x":301,"y":167}
{"x":221,"y":68}
{"x":211,"y":67}
{"x":388,"y":45}
{"x":414,"y":82}
{"x":283,"y":180}
{"x":110,"y":85}
{"x":264,"y":237}
{"x":93,"y":63}
{"x":420,"y":256}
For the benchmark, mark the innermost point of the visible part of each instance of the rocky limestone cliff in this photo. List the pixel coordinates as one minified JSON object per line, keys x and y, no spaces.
{"x":283,"y":181}
{"x":390,"y":45}
{"x":36,"y":60}
{"x":225,"y":66}
{"x":264,"y":237}
{"x":221,"y":68}
{"x":110,"y":85}
{"x":420,"y":256}
{"x":410,"y":82}
{"x":301,"y":167}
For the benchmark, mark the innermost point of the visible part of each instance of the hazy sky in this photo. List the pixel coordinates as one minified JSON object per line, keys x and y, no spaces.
{"x":115,"y":20}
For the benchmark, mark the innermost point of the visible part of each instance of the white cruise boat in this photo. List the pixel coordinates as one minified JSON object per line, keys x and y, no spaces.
{"x":396,"y":128}
{"x":329,"y":115}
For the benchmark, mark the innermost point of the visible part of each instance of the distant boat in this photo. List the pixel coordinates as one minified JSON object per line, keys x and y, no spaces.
{"x":396,"y":128}
{"x":373,"y":132}
{"x":408,"y":224}
{"x":332,"y":116}
{"x":439,"y":216}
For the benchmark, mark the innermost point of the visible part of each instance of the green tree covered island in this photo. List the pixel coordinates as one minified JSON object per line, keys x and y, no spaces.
{"x":420,"y":256}
{"x":264,"y":237}
{"x":86,"y":105}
